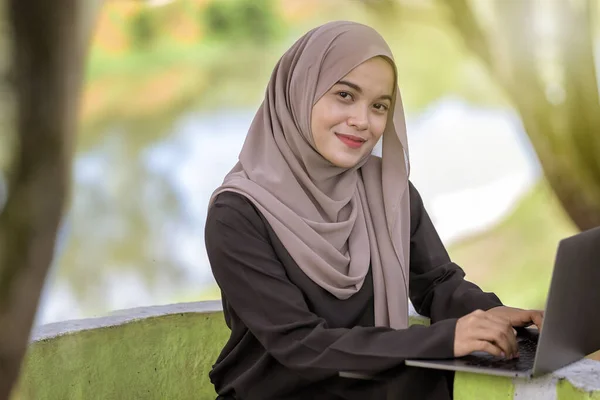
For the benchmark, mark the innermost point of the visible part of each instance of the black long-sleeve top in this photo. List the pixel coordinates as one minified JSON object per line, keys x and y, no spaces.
{"x":290,"y":338}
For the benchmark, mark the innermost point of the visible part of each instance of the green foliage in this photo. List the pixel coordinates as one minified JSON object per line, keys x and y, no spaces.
{"x":515,"y":258}
{"x":143,"y":29}
{"x":240,"y":21}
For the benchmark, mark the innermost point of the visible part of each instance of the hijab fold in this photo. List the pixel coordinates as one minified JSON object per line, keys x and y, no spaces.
{"x":336,"y":223}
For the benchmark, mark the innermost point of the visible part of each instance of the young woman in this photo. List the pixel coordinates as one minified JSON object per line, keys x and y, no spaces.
{"x":317,"y":244}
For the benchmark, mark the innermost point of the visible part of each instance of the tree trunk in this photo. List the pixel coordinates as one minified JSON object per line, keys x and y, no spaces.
{"x":563,"y":127}
{"x":46,"y":52}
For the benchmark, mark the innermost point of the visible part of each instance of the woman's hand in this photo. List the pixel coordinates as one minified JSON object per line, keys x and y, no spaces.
{"x":485,"y":331}
{"x":518,"y":317}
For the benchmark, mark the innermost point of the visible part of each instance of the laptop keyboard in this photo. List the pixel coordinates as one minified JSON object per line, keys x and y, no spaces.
{"x":527,"y":349}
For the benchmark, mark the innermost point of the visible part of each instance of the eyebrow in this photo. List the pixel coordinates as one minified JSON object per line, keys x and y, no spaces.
{"x":359,"y":90}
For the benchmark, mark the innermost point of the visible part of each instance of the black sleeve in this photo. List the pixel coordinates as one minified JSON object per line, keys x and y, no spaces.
{"x":254,"y":283}
{"x":438,"y":289}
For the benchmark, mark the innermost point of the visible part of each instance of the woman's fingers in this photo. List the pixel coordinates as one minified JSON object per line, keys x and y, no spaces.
{"x":538,"y":319}
{"x":497,"y":319}
{"x":490,"y":348}
{"x":481,"y":331}
{"x":499,"y":332}
{"x":499,"y":339}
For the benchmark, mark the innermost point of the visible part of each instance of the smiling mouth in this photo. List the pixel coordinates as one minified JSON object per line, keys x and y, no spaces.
{"x":353,"y":142}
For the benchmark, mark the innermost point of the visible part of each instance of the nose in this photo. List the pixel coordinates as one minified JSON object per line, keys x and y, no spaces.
{"x":359,"y":118}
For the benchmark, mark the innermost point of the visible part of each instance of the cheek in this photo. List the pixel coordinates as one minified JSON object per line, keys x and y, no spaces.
{"x":378,"y":126}
{"x":316,"y":122}
{"x":332,"y":116}
{"x":325,"y":119}
{"x":320,"y":126}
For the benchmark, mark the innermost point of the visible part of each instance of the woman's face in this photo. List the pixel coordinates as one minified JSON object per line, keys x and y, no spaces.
{"x":349,"y":119}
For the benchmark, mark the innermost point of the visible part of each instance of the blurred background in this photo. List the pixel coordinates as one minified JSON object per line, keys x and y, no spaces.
{"x":502,"y":108}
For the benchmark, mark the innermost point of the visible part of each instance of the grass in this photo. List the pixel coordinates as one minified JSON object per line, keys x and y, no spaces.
{"x":515,"y":258}
{"x":101,"y":65}
{"x":138,"y":84}
{"x":141,"y":83}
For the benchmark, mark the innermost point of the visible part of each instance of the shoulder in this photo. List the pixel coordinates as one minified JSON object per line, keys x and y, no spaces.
{"x":415,"y":196}
{"x":231,"y":201}
{"x":416,"y":204}
{"x":233,"y":211}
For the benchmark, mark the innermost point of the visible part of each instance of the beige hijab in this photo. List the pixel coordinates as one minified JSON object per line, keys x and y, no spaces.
{"x":336,"y":223}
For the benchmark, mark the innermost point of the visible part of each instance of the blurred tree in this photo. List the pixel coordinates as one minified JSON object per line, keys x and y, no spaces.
{"x":142,"y":28}
{"x":241,"y":21}
{"x":44,"y":45}
{"x":541,"y":53}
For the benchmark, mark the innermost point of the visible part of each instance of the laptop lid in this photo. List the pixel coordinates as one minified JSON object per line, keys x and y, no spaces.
{"x":571,"y":328}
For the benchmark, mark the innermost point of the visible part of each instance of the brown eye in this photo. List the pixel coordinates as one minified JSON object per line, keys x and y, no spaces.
{"x":345,"y":95}
{"x":381,"y":107}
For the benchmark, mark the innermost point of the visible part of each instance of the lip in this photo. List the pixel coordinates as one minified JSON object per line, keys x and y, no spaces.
{"x":354,"y":142}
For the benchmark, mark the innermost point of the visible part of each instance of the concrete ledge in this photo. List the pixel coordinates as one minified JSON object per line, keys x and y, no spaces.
{"x":580,"y":380}
{"x":166,"y":352}
{"x":121,"y":317}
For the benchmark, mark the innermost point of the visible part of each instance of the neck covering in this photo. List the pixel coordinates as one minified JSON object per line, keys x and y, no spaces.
{"x":336,"y":223}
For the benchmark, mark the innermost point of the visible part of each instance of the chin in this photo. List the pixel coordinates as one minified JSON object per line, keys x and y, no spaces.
{"x":345,"y":162}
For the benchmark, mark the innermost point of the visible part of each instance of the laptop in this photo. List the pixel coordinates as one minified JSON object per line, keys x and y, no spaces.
{"x":571,"y":327}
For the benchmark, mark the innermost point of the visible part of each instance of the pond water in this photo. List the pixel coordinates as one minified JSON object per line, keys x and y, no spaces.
{"x":134,"y":232}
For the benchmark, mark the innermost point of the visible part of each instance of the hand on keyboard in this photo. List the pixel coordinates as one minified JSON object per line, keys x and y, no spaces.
{"x":519,"y":317}
{"x":484,"y":331}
